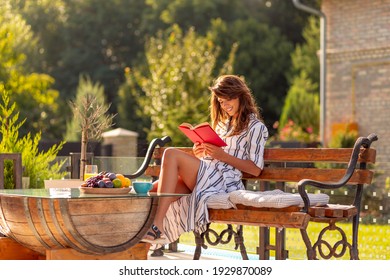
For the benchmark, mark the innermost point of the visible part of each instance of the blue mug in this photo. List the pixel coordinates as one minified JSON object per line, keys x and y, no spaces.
{"x":142,"y":187}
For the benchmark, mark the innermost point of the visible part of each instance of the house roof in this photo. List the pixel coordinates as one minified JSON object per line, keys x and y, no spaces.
{"x":119,"y":132}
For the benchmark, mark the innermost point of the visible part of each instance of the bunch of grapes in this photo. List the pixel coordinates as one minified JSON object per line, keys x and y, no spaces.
{"x":92,"y":182}
{"x":107,"y":180}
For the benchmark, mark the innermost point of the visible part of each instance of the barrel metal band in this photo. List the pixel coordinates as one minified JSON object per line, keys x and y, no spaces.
{"x":44,"y":224}
{"x":7,"y":230}
{"x":58,"y":227}
{"x":31,"y":223}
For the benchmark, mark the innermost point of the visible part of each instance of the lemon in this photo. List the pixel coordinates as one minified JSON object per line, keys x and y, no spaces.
{"x":127,"y":182}
{"x":117,"y":183}
{"x":122,"y":178}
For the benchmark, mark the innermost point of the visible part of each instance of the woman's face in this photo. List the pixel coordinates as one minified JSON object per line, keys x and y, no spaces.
{"x":230,"y":106}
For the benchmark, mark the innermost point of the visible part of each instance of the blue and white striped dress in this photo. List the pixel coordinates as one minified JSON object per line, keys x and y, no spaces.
{"x":190,"y":212}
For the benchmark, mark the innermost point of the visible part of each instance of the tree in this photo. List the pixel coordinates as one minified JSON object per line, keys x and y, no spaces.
{"x":111,"y":36}
{"x":305,"y":57}
{"x":32,"y":92}
{"x":301,"y":105}
{"x":90,"y":115}
{"x":301,"y":108}
{"x":175,"y":86}
{"x":130,"y":114}
{"x":262,"y":57}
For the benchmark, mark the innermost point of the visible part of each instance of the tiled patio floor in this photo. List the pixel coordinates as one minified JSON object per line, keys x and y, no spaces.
{"x":185,"y":252}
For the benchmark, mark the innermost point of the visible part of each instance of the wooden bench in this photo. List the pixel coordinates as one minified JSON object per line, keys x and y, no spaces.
{"x":311,"y":168}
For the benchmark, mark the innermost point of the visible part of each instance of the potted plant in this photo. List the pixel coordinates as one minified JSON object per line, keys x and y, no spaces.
{"x":91,"y":115}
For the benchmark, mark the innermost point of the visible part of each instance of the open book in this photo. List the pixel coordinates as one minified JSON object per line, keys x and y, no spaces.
{"x":202,"y":133}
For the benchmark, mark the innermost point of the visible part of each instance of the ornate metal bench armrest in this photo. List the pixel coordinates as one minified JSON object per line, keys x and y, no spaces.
{"x":364,"y":142}
{"x":155,"y":142}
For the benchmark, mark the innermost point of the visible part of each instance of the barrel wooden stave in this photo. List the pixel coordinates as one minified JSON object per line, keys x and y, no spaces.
{"x":121,"y":223}
{"x":92,"y":226}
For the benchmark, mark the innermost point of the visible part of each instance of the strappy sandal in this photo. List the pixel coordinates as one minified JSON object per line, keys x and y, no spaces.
{"x":156,"y":236}
{"x":155,"y":247}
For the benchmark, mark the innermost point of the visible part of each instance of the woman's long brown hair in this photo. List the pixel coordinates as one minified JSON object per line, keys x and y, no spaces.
{"x":231,"y":87}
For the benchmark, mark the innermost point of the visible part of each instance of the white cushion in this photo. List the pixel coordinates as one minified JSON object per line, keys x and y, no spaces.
{"x":275,"y":199}
{"x":220,"y":201}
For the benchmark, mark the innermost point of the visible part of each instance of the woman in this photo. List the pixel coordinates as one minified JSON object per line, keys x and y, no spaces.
{"x":213,"y":169}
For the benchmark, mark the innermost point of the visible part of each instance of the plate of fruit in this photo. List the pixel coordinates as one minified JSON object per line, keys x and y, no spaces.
{"x":106,"y":183}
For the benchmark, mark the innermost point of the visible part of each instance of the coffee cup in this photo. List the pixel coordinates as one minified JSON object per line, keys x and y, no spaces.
{"x":142,"y":187}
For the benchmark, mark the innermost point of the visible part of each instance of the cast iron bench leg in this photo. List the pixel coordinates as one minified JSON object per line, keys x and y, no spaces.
{"x":199,"y":244}
{"x":311,"y":254}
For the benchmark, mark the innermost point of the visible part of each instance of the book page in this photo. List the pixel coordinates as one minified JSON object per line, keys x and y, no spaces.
{"x":191,"y":134}
{"x":201,"y":125}
{"x":190,"y":126}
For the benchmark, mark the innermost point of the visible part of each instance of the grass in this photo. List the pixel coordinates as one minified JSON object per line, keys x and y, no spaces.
{"x":374,"y":240}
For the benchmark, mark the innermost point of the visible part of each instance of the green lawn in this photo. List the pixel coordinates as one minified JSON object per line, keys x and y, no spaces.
{"x":374,"y":240}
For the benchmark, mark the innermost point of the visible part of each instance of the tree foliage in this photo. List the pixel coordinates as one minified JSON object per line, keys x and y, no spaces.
{"x":301,"y":105}
{"x":102,"y":38}
{"x":130,"y":113}
{"x":32,"y":92}
{"x":305,"y":56}
{"x":175,"y":87}
{"x":262,"y":57}
{"x":265,"y":32}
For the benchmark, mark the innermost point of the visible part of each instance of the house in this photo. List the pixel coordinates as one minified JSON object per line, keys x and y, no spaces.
{"x":357,"y":69}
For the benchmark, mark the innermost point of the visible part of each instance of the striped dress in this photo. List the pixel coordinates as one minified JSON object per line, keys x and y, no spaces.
{"x":190,"y":212}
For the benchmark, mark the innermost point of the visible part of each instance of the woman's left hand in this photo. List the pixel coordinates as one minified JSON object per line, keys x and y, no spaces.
{"x":214,"y":151}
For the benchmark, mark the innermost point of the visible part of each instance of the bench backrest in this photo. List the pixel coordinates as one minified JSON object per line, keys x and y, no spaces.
{"x":294,"y":164}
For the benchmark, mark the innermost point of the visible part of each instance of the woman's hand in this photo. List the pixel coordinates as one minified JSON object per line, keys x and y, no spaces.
{"x":213,"y":151}
{"x":198,"y":150}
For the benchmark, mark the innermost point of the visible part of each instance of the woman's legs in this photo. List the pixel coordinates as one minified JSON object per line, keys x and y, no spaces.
{"x":178,"y":174}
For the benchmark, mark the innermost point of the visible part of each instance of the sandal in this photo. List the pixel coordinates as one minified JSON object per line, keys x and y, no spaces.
{"x":155,"y":247}
{"x":156,"y":236}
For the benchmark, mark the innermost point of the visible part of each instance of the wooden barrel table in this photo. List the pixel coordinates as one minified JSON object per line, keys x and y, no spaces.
{"x":87,"y":223}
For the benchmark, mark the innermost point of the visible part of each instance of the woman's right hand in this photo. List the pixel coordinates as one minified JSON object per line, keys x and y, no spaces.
{"x":198,"y":150}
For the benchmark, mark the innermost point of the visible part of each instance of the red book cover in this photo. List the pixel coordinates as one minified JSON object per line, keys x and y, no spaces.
{"x":202,"y":133}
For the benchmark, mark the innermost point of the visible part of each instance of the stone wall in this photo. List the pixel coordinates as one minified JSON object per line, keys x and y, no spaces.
{"x":358,"y":68}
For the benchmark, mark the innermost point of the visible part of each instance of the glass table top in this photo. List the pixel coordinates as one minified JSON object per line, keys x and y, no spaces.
{"x":75,"y":193}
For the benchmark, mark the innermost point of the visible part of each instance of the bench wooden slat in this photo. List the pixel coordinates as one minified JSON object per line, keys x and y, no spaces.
{"x":316,"y":155}
{"x":260,"y":218}
{"x":328,"y":211}
{"x":338,"y":155}
{"x":338,"y":211}
{"x":295,"y":174}
{"x":285,"y":209}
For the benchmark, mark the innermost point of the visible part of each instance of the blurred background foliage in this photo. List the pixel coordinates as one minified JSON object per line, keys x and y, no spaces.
{"x":153,"y":58}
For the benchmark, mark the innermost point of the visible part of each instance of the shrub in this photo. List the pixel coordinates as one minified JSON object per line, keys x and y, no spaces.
{"x":293,"y":132}
{"x":37,"y":165}
{"x":344,"y":139}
